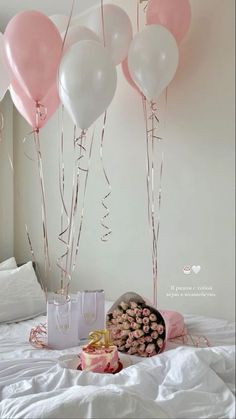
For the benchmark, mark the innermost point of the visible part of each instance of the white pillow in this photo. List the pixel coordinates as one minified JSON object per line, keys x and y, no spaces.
{"x":21,"y":296}
{"x":8,"y":264}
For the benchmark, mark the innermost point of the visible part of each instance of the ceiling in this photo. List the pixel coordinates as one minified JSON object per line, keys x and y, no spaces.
{"x":50,"y":7}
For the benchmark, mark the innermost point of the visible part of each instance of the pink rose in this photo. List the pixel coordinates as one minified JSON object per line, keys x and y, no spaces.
{"x":154,"y":326}
{"x":135,"y":325}
{"x":145,"y":320}
{"x":154,"y":335}
{"x":146,"y":312}
{"x":125,"y":333}
{"x":160,"y":328}
{"x":153,"y":317}
{"x":114,"y":321}
{"x":131,"y":336}
{"x":148,"y":339}
{"x":146,"y":329}
{"x":122,"y":348}
{"x":126,"y":325}
{"x":130,"y":319}
{"x":138,"y":311}
{"x":153,"y":353}
{"x":119,"y":343}
{"x":150,"y":348}
{"x":133,"y":304}
{"x":143,"y":354}
{"x":124,"y":305}
{"x":160,"y":343}
{"x":130,"y":312}
{"x":132,"y":351}
{"x":135,"y":343}
{"x":142,"y":340}
{"x":129,"y":341}
{"x":138,"y":333}
{"x":141,"y":348}
{"x":139,"y":320}
{"x":127,"y":345}
{"x":124,"y":316}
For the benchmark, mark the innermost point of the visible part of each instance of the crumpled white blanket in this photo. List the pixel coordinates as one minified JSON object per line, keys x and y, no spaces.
{"x":183,"y":382}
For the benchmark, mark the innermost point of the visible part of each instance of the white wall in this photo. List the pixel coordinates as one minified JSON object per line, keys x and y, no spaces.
{"x":197,"y":219}
{"x":6,"y":181}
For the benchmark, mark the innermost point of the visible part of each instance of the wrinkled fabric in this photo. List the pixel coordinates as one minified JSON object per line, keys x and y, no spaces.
{"x":183,"y":382}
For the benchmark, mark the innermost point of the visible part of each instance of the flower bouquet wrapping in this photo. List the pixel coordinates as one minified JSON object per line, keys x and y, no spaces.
{"x":136,"y":327}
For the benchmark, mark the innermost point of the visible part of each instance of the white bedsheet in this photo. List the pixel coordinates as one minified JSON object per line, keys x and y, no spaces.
{"x":182,"y":382}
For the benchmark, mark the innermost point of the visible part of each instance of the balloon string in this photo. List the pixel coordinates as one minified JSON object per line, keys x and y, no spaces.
{"x":153,"y":218}
{"x":43,"y":203}
{"x":138,"y":16}
{"x":83,"y":202}
{"x":82,"y":152}
{"x":147,"y":158}
{"x":68,"y":242}
{"x":63,"y":204}
{"x":105,"y":236}
{"x":103,"y":24}
{"x":27,"y":230}
{"x":1,"y":126}
{"x":68,"y":25}
{"x":154,"y":243}
{"x":78,"y":142}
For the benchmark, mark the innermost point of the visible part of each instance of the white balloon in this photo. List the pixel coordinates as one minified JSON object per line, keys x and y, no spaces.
{"x":117,"y":29}
{"x":4,"y":70}
{"x":87,"y":82}
{"x":60,"y":21}
{"x":76,"y":34}
{"x":153,"y":60}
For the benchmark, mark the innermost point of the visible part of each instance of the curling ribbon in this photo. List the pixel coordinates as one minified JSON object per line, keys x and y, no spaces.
{"x":27,"y":232}
{"x":83,"y":202}
{"x":79,"y":142}
{"x":63,"y":204}
{"x":138,"y":16}
{"x":43,"y":203}
{"x":103,"y":23}
{"x":105,"y":236}
{"x":153,"y":219}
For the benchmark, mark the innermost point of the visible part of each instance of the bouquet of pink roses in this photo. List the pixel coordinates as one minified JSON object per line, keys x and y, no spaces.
{"x":136,"y":327}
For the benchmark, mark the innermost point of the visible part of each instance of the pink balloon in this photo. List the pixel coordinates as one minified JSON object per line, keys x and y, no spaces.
{"x":33,"y":47}
{"x":27,"y":106}
{"x":175,"y":15}
{"x":127,"y":75}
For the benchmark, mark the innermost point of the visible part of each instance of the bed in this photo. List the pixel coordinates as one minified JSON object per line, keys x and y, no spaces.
{"x":183,"y":382}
